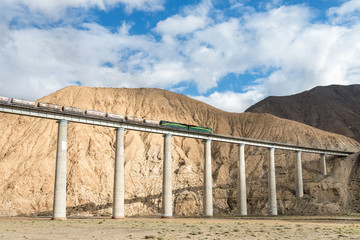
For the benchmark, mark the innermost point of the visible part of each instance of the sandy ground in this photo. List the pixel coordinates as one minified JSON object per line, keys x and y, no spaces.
{"x":181,"y":228}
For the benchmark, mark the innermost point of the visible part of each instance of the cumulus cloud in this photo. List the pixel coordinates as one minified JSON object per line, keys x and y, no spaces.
{"x":50,"y":59}
{"x":282,"y":45}
{"x":50,"y":6}
{"x":146,"y":5}
{"x":189,"y":21}
{"x":296,"y":53}
{"x":231,"y":101}
{"x":180,"y":25}
{"x":55,"y":10}
{"x":346,"y":13}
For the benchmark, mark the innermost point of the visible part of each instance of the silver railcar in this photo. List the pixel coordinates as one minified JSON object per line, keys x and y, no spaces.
{"x":4,"y":99}
{"x":94,"y":113}
{"x":72,"y":110}
{"x":49,"y":105}
{"x":22,"y":102}
{"x":136,"y":119}
{"x":115,"y":116}
{"x":151,"y":121}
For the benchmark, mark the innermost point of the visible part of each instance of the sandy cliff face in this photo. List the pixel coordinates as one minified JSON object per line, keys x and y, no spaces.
{"x":28,"y":151}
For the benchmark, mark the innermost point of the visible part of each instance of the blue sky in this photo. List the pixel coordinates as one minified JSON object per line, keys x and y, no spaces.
{"x":229,"y":54}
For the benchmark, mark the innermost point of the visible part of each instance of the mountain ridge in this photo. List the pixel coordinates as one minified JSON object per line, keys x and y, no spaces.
{"x":333,"y":108}
{"x":28,"y":153}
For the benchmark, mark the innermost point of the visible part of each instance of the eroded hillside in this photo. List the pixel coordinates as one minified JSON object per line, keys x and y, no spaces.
{"x":332,"y":108}
{"x":28,"y":151}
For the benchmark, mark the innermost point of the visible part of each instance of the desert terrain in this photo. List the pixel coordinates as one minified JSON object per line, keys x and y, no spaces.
{"x":183,"y":228}
{"x":28,"y":153}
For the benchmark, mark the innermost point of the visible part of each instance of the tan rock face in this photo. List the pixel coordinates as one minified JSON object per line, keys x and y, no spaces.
{"x":28,"y":152}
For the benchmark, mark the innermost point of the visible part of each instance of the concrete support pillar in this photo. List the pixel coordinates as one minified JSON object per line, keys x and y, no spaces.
{"x":208,"y":198}
{"x":119,"y":185}
{"x":298,"y":176}
{"x":323,"y":164}
{"x":242,"y":204}
{"x":167,"y":178}
{"x":59,"y":204}
{"x":272,"y":184}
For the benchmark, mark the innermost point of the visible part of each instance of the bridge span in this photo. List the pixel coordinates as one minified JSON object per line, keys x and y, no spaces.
{"x":59,"y":206}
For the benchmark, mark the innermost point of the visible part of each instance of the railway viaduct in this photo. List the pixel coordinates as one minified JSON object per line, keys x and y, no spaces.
{"x":59,"y":206}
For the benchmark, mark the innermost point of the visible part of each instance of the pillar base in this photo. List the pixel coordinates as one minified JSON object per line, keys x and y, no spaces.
{"x":117,"y":218}
{"x":59,"y":218}
{"x":167,"y":217}
{"x":241,"y":215}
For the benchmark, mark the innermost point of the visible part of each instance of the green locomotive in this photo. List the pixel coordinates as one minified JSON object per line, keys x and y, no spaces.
{"x":186,"y":126}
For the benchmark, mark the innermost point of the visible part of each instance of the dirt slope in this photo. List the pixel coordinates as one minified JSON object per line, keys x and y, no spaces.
{"x":28,"y":150}
{"x":333,"y":108}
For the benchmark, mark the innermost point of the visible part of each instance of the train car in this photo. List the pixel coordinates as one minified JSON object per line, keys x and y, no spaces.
{"x":4,"y":99}
{"x":201,"y":129}
{"x":148,"y":121}
{"x":136,"y":119}
{"x":72,"y":110}
{"x":173,"y":124}
{"x":115,"y":116}
{"x":22,"y":102}
{"x":49,"y":105}
{"x":94,"y":113}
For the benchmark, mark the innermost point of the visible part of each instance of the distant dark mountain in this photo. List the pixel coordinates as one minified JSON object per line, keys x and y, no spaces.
{"x":333,"y":108}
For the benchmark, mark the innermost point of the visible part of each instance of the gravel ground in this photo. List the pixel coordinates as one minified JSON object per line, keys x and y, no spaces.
{"x":181,"y":228}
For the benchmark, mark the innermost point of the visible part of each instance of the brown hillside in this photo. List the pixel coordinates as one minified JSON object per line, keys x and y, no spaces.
{"x":28,"y":150}
{"x":333,"y":108}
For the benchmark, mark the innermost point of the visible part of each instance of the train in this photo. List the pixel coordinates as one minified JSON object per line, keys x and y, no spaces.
{"x":111,"y":116}
{"x":186,"y":126}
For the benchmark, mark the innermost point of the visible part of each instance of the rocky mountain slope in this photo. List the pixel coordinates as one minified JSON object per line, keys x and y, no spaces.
{"x":28,"y":152}
{"x":333,"y":108}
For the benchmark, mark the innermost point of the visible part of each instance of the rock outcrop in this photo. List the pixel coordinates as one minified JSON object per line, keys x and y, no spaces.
{"x":28,"y":152}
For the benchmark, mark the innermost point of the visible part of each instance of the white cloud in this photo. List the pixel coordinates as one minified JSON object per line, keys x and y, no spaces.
{"x":180,"y":25}
{"x":146,"y":5}
{"x":55,"y":10}
{"x":49,"y":6}
{"x":347,"y":12}
{"x":299,"y":55}
{"x":239,"y":45}
{"x":231,"y":101}
{"x":48,"y":59}
{"x":291,"y":53}
{"x":191,"y":19}
{"x":319,"y":55}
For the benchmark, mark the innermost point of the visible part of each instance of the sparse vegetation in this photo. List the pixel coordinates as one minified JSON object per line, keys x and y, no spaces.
{"x":150,"y":237}
{"x":135,"y":228}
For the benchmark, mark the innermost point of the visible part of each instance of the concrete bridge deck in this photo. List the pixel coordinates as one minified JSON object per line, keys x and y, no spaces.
{"x":157,"y":129}
{"x":59,"y":206}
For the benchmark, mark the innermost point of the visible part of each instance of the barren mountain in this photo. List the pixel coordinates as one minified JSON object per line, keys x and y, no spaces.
{"x":28,"y":152}
{"x":333,"y":108}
